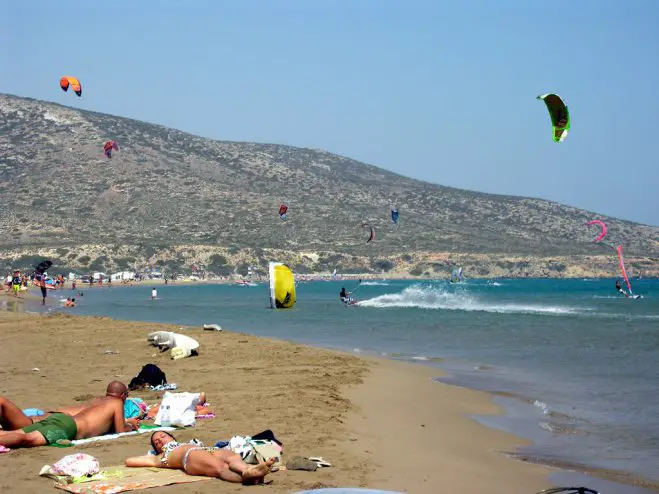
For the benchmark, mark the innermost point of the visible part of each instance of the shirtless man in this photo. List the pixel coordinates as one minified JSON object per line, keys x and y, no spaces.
{"x":102,"y":416}
{"x":12,"y":418}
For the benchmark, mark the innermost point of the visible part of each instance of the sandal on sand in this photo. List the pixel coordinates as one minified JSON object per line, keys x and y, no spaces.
{"x":300,"y":463}
{"x":320,"y":461}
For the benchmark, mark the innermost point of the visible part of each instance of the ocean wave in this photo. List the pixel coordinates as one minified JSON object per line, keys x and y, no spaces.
{"x":542,"y":406}
{"x":375,"y":283}
{"x":415,"y":357}
{"x":433,"y":297}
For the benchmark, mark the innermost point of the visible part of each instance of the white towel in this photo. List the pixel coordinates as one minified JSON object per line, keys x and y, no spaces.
{"x":107,"y":437}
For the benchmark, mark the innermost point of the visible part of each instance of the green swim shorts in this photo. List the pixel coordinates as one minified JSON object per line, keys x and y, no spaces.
{"x":57,"y":426}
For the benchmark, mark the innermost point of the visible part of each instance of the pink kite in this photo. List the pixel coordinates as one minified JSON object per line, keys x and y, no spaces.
{"x":600,"y":223}
{"x":618,"y":249}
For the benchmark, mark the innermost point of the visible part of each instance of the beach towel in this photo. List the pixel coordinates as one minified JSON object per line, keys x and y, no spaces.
{"x":123,"y":479}
{"x":107,"y":437}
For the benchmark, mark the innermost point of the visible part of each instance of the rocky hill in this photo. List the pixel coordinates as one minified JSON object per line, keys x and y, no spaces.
{"x":166,"y":188}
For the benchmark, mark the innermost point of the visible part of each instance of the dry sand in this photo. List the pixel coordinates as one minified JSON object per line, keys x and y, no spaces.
{"x":380,"y":423}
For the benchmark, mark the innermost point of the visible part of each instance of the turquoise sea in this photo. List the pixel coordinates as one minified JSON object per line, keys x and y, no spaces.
{"x":575,"y":365}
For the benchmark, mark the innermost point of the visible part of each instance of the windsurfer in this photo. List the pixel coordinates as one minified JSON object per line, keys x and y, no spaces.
{"x":619,"y":288}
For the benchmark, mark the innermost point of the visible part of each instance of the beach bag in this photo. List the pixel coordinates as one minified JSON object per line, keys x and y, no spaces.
{"x":259,"y":451}
{"x":150,"y":375}
{"x":76,"y":465}
{"x":264,"y":450}
{"x":177,"y":409}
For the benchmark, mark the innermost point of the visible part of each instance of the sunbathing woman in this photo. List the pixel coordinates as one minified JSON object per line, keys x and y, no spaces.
{"x":194,"y":459}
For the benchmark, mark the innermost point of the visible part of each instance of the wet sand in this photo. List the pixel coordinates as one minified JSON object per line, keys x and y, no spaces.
{"x":381,"y":423}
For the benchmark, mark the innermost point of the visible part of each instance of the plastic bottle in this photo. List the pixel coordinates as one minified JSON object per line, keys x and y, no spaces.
{"x":165,"y":420}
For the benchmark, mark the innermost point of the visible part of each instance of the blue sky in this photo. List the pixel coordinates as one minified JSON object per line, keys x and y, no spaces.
{"x":440,"y":91}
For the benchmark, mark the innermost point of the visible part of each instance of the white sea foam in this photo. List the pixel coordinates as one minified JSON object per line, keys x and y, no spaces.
{"x":434,"y":297}
{"x":542,"y":406}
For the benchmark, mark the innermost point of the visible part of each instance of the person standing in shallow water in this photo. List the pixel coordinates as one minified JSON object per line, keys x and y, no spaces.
{"x":16,"y":282}
{"x":154,"y":294}
{"x":41,"y":280}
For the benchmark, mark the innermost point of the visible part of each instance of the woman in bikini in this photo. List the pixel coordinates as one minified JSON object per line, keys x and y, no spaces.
{"x":196,"y":459}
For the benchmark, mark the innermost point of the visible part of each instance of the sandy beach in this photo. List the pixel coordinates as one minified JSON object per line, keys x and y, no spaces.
{"x":380,"y":423}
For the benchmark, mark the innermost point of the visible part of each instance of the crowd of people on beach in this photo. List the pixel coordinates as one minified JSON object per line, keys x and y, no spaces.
{"x":105,"y":415}
{"x":18,"y":282}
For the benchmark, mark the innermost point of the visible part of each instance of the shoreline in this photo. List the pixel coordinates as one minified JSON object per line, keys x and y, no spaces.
{"x":620,"y":476}
{"x":521,"y":447}
{"x":383,"y":396}
{"x":459,"y":454}
{"x":33,"y":294}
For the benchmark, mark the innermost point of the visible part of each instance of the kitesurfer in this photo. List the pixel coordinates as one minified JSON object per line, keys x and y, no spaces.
{"x":345,"y":296}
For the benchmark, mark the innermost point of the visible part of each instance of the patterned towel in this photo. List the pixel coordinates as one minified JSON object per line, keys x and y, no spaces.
{"x":122,"y":479}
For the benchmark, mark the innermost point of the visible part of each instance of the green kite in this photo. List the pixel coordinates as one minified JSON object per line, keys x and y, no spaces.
{"x":560,"y":116}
